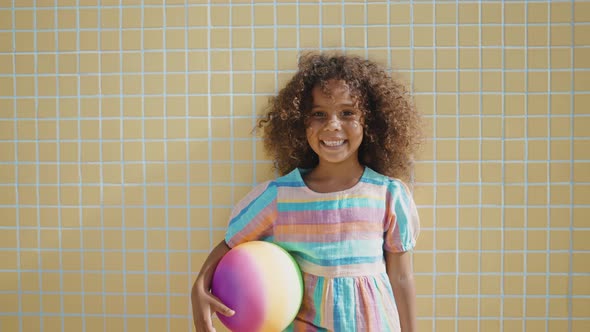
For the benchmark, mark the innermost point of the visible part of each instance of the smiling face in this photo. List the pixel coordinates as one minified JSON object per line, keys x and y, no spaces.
{"x":334,"y":125}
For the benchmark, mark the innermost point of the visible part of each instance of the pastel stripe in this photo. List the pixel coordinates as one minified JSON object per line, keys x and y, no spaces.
{"x":327,"y":229}
{"x":349,"y":249}
{"x":344,"y":315}
{"x":369,"y":215}
{"x":364,"y":305}
{"x":383,"y":323}
{"x":317,"y":300}
{"x":251,"y":196}
{"x":330,"y":232}
{"x":253,"y":231}
{"x":302,"y":196}
{"x":329,"y":302}
{"x":340,"y":271}
{"x":384,"y":285}
{"x":251,"y":221}
{"x":343,"y":203}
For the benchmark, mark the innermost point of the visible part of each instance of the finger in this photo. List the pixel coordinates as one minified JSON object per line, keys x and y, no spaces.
{"x":218,"y":306}
{"x":222,"y":309}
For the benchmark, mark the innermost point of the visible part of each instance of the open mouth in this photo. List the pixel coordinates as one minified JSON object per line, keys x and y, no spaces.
{"x":333,"y":143}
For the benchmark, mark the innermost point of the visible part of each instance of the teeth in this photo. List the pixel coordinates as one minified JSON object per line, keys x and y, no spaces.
{"x":333,"y":143}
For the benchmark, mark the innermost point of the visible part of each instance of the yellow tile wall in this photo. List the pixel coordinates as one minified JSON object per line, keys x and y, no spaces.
{"x":125,"y":139}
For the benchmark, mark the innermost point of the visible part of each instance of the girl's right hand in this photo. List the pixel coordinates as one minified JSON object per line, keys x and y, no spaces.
{"x":204,"y":305}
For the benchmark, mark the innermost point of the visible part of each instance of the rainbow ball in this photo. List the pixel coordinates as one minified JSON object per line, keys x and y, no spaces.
{"x":262,"y":283}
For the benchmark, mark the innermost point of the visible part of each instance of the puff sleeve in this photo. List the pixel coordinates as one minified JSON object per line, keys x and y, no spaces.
{"x":402,"y":224}
{"x":253,"y":217}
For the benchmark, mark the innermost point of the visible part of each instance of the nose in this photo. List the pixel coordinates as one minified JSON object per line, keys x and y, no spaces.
{"x":333,"y":123}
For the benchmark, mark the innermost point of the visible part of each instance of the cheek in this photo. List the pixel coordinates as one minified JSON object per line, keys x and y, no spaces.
{"x":356,"y":128}
{"x":309,"y":132}
{"x":311,"y":129}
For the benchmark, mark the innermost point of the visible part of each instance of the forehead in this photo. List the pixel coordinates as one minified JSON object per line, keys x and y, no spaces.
{"x":334,"y":90}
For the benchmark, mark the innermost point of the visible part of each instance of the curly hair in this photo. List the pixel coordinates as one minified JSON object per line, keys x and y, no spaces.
{"x":392,"y":130}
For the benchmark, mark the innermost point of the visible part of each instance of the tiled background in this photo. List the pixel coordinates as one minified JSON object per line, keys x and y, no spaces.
{"x":125,"y":138}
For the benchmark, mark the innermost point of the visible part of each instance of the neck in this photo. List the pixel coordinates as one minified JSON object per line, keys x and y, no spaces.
{"x":351,"y":169}
{"x":328,"y":177}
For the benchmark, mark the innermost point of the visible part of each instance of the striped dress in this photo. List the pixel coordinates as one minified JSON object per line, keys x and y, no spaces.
{"x":338,"y":239}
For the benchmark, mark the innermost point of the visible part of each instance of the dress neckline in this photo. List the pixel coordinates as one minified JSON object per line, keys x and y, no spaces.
{"x":301,"y":171}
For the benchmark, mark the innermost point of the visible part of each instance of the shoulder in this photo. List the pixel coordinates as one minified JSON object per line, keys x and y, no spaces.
{"x":377,"y":178}
{"x":262,"y":192}
{"x":392,"y":185}
{"x":288,"y":180}
{"x":291,"y":179}
{"x":398,"y":185}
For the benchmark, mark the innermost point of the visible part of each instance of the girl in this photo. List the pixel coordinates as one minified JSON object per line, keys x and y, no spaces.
{"x":342,"y":134}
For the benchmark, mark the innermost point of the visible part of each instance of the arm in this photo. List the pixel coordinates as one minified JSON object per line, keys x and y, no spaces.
{"x":399,"y":270}
{"x":203,"y":303}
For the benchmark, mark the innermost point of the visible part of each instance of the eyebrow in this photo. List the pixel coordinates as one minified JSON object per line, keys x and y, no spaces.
{"x":344,"y":104}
